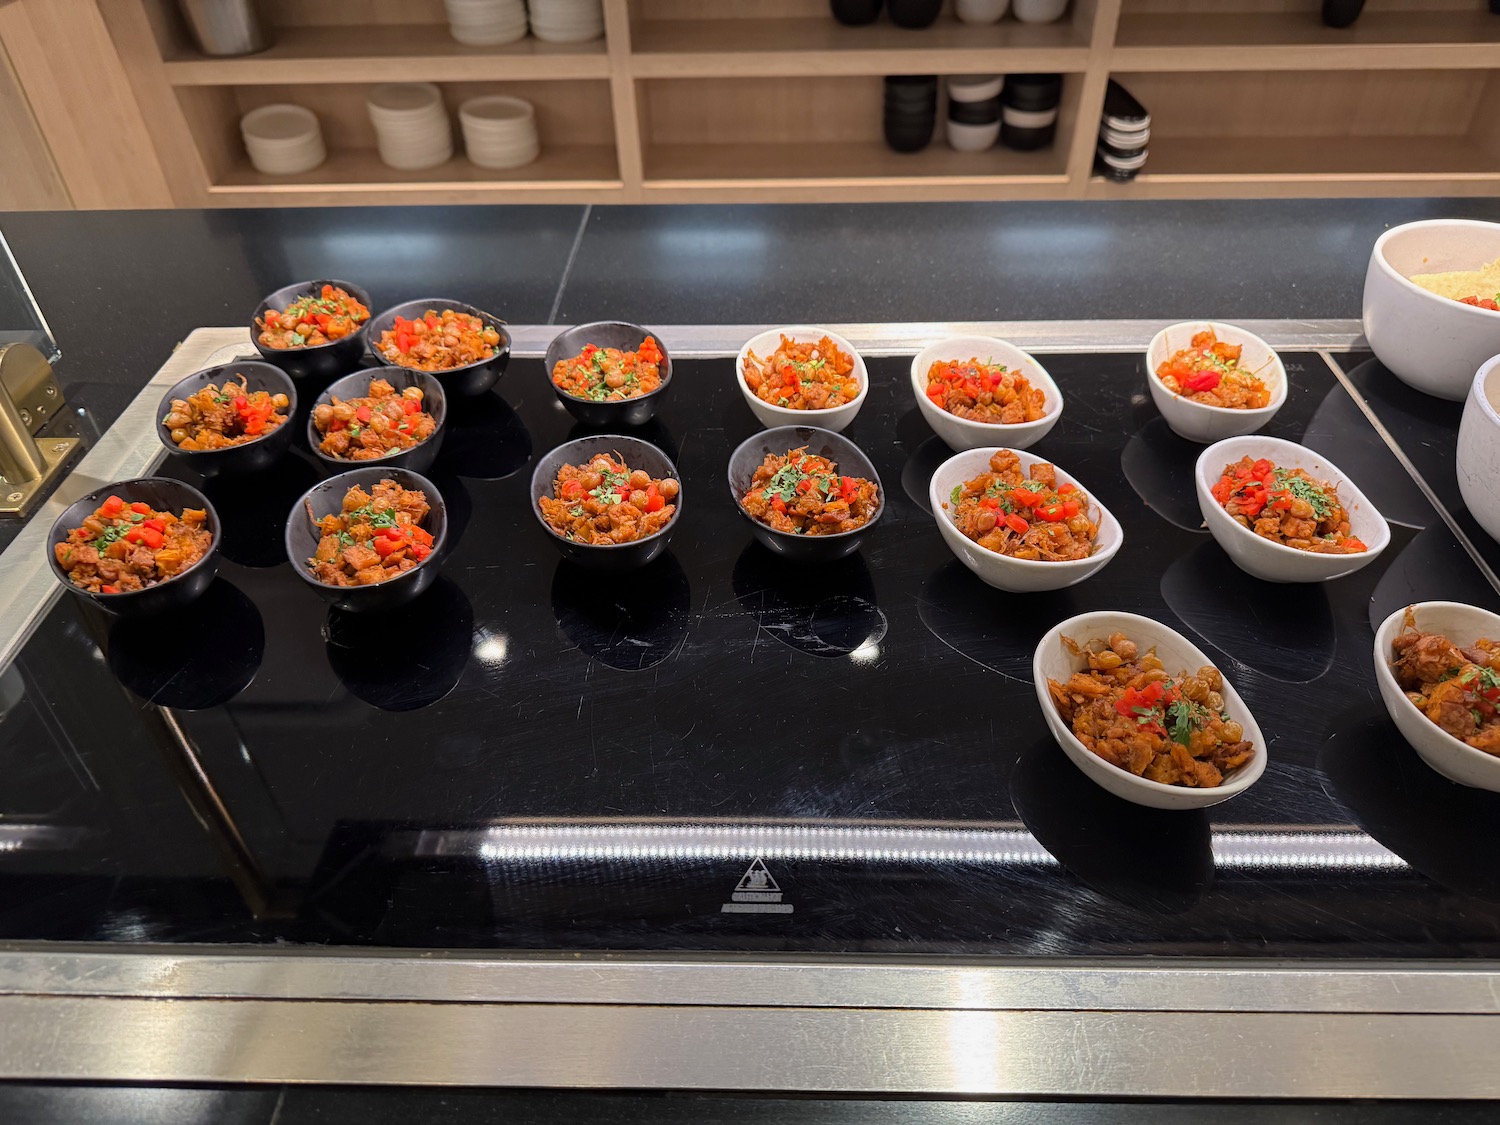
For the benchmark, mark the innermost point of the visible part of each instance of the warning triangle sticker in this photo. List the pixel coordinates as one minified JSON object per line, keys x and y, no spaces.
{"x":757,"y":878}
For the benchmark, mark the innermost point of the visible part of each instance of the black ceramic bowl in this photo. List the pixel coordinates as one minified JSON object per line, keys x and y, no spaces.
{"x":253,"y":456}
{"x":607,"y":334}
{"x":165,"y":495}
{"x":419,"y":457}
{"x":635,"y":453}
{"x":328,"y":499}
{"x":854,"y":13}
{"x":471,"y":379}
{"x":840,"y":450}
{"x":914,"y":13}
{"x":326,"y":361}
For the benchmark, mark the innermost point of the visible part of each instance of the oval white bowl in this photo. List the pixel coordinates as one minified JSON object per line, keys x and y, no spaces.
{"x":1453,"y":758}
{"x":1431,"y":343}
{"x":1275,"y":562}
{"x":835,"y":418}
{"x":1198,"y":421}
{"x":1178,"y":654}
{"x":961,"y":433}
{"x":1001,"y":571}
{"x":1479,"y":449}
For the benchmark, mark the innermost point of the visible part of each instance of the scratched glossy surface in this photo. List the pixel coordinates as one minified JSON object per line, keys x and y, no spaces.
{"x":535,"y":756}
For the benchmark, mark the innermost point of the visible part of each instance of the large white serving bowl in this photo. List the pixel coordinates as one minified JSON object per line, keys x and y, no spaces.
{"x":961,"y":433}
{"x":1479,"y":448}
{"x":1431,"y":343}
{"x":1452,"y":757}
{"x":1005,"y":573}
{"x":1275,"y":562}
{"x":1198,"y":421}
{"x":1178,"y":654}
{"x":835,"y":418}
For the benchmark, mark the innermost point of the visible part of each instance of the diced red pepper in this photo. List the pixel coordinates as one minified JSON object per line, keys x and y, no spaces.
{"x":1017,"y":524}
{"x":649,"y":351}
{"x":1025,"y":497}
{"x":1064,"y":489}
{"x":140,"y":507}
{"x":1222,"y":489}
{"x":133,"y":535}
{"x":778,"y":504}
{"x":363,"y":413}
{"x":386,"y":547}
{"x":1200,"y":381}
{"x":328,"y":291}
{"x":420,"y":535}
{"x":410,"y":406}
{"x":112,"y":506}
{"x":1355,"y":544}
{"x":655,"y":501}
{"x":1070,"y":509}
{"x":155,"y":525}
{"x":571,"y":489}
{"x":847,"y":488}
{"x":420,"y":552}
{"x":151,"y":537}
{"x":109,"y":589}
{"x":1052,"y":513}
{"x":989,"y":502}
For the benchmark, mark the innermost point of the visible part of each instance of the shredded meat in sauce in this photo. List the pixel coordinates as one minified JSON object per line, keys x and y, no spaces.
{"x":369,"y":428}
{"x":1209,"y":372}
{"x":376,"y":536}
{"x":438,"y":341}
{"x":1125,"y":708}
{"x":1286,"y":506}
{"x":984,"y":392}
{"x":803,"y":494}
{"x":606,"y":502}
{"x":124,"y":547}
{"x":803,"y":376}
{"x":1025,"y":515}
{"x":609,"y":374}
{"x":222,"y":417}
{"x":1457,"y":687}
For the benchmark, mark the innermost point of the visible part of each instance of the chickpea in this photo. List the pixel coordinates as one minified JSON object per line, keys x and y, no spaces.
{"x":668,"y":488}
{"x":413,"y":393}
{"x":1122,"y":646}
{"x":1106,"y":661}
{"x":450,"y":339}
{"x":984,"y":521}
{"x":601,"y":464}
{"x":640,"y":479}
{"x":615,"y":379}
{"x":590,"y":481}
{"x":304,"y":330}
{"x":419,"y":328}
{"x":1232,"y":732}
{"x":178,"y":418}
{"x":343,"y":412}
{"x":322,"y":415}
{"x":490,"y":337}
{"x":280,"y":402}
{"x":638,"y":498}
{"x":179,"y":436}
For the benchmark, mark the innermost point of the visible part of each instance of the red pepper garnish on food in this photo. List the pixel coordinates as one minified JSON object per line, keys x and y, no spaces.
{"x":155,"y":525}
{"x":141,"y":508}
{"x":109,"y":589}
{"x":363,"y":413}
{"x":778,"y":505}
{"x":1025,"y":497}
{"x":410,"y":406}
{"x":1067,"y":487}
{"x":113,"y":506}
{"x":571,"y":489}
{"x":1017,"y":524}
{"x":655,"y":501}
{"x":847,"y":488}
{"x":1200,"y":381}
{"x":1052,"y":513}
{"x":989,"y":502}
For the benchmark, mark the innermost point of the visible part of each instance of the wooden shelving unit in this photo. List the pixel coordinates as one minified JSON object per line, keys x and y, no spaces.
{"x":772,"y":100}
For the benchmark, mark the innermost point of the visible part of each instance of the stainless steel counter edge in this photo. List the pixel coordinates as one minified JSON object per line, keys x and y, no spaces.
{"x":130,"y":448}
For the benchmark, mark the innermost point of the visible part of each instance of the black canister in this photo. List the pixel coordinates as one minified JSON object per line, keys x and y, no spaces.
{"x":910,"y":111}
{"x":854,"y":13}
{"x":1029,"y":111}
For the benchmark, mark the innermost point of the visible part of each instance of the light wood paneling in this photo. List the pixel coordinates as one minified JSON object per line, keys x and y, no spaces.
{"x":29,"y":181}
{"x":77,"y":87}
{"x":351,"y":13}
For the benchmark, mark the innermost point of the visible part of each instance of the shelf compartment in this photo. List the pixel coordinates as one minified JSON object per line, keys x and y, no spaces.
{"x":1212,"y":36}
{"x":1356,"y":129}
{"x":390,"y":53}
{"x":799,"y":47}
{"x":574,"y":121}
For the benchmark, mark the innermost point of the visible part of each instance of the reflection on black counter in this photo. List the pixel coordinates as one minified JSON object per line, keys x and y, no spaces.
{"x":202,"y":655}
{"x":404,"y":658}
{"x":925,"y":459}
{"x":486,"y":438}
{"x":651,"y":431}
{"x":253,"y":509}
{"x":1443,"y":829}
{"x":825,"y":610}
{"x":1160,"y":465}
{"x":1151,"y":859}
{"x":1283,"y":630}
{"x":1338,"y":430}
{"x":994,"y":629}
{"x":1432,"y":567}
{"x":628,"y":621}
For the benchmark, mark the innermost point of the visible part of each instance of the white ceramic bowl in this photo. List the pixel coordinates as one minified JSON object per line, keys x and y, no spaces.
{"x":1431,"y":343}
{"x":1001,"y":571}
{"x":1178,"y":654}
{"x":971,"y":138}
{"x":1454,"y":759}
{"x":1040,"y":11}
{"x":1275,"y":562}
{"x":977,"y":87}
{"x":1197,"y":421}
{"x":961,"y":433}
{"x":835,"y":418}
{"x":1479,"y":449}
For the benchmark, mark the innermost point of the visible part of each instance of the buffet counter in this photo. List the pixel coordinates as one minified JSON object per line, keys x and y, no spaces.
{"x":728,"y":822}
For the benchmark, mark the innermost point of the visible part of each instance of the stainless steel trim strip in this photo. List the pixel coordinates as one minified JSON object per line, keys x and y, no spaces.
{"x":846,"y":981}
{"x":1092,"y":1054}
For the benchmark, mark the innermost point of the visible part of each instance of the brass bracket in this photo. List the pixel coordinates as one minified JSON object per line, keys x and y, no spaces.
{"x":29,"y":396}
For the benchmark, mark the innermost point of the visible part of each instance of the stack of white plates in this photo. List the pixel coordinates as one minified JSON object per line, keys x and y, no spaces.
{"x":283,"y":139}
{"x":567,"y":21}
{"x":487,"y":23}
{"x":411,"y":125}
{"x":499,"y":131}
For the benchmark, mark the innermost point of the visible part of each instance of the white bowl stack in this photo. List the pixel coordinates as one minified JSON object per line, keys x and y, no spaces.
{"x":499,"y":131}
{"x":487,"y":23}
{"x":567,"y":21}
{"x":412,"y":129}
{"x":283,"y":139}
